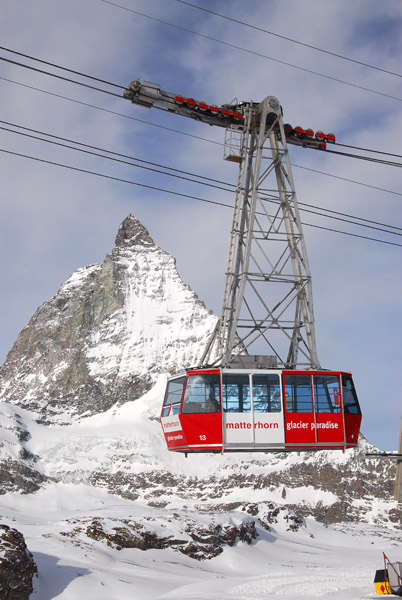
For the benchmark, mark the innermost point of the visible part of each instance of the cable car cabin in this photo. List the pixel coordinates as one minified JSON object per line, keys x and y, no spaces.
{"x":227,"y":410}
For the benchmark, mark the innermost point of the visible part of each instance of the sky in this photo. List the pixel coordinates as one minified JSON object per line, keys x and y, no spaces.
{"x":55,"y":219}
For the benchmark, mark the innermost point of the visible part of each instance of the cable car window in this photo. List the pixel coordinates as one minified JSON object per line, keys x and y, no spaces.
{"x":327,"y":398}
{"x":174,"y":392}
{"x":266,"y":393}
{"x":201,"y":394}
{"x":298,"y":393}
{"x":236,"y":393}
{"x":350,"y":401}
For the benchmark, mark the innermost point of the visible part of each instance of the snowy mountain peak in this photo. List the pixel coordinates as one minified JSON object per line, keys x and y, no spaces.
{"x":132,"y":233}
{"x":108,"y":334}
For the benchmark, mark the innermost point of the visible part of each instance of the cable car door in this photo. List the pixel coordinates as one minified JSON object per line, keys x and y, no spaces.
{"x":269,"y":430}
{"x":200,"y":413}
{"x":237,"y":418}
{"x":328,"y":408}
{"x":299,"y":410}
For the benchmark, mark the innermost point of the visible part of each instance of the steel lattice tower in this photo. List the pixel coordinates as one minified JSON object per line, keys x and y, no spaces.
{"x":268,"y":291}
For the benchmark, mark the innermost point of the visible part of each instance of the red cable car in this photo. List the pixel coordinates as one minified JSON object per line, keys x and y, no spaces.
{"x":228,"y":410}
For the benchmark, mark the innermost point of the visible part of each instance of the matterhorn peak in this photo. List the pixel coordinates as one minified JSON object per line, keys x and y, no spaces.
{"x":108,"y":334}
{"x":132,"y":233}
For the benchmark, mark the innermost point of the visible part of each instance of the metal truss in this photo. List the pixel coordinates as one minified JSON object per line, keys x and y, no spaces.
{"x":267,"y":300}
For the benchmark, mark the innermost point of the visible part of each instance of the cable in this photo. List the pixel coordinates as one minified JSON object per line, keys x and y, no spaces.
{"x":45,"y":62}
{"x":179,"y":194}
{"x":282,"y":62}
{"x":342,"y":216}
{"x":113,"y":112}
{"x":283,"y":37}
{"x":352,"y":234}
{"x":91,"y":87}
{"x":122,"y":87}
{"x":198,"y":137}
{"x":374,"y":187}
{"x":151,"y":187}
{"x":208,"y":179}
{"x":351,"y":216}
{"x":164,"y":110}
{"x":344,"y":220}
{"x":367,"y":158}
{"x":368,"y":150}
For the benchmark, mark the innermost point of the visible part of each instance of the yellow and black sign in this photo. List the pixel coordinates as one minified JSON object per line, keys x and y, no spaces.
{"x":381,"y":582}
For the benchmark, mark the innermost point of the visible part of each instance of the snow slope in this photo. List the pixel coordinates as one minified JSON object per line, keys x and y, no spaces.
{"x":316,"y":561}
{"x":311,"y":560}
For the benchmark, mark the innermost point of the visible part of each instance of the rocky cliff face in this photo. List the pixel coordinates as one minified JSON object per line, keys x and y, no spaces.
{"x":107,"y":334}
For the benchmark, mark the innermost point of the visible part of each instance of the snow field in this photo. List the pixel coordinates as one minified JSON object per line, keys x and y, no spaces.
{"x":335,"y":562}
{"x":316,"y":561}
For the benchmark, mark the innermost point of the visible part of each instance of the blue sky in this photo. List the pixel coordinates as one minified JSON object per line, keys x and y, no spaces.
{"x":55,"y":220}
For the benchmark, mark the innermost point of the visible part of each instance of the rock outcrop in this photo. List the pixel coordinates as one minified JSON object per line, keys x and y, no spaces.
{"x":17,"y":566}
{"x":180,"y":532}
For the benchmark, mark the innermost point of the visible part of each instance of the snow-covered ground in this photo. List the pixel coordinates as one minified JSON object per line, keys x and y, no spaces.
{"x":316,"y":561}
{"x":332,"y":562}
